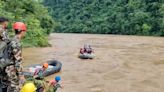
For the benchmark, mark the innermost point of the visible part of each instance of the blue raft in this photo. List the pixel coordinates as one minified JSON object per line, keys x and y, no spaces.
{"x":54,"y":67}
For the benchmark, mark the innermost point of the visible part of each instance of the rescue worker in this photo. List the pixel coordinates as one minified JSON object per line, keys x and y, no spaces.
{"x":39,"y":72}
{"x":29,"y":87}
{"x":89,"y":50}
{"x":55,"y":84}
{"x":85,"y":48}
{"x":3,"y":28}
{"x":81,"y":51}
{"x":14,"y":71}
{"x":39,"y":80}
{"x":4,"y":39}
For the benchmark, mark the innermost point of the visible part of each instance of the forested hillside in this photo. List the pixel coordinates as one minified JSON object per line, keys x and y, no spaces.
{"x":130,"y":17}
{"x":34,"y":14}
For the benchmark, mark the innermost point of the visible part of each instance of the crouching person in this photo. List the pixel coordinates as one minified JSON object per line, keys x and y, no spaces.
{"x":29,"y":87}
{"x":39,"y":80}
{"x":54,"y":85}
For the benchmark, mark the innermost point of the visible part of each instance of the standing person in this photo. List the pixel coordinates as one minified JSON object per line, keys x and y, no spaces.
{"x":14,"y":71}
{"x":4,"y":59}
{"x":3,"y":29}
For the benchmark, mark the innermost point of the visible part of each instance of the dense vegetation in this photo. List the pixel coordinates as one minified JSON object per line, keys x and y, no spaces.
{"x":130,"y":17}
{"x":34,"y":14}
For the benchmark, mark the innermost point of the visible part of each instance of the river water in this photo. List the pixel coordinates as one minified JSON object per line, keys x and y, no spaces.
{"x":122,"y":63}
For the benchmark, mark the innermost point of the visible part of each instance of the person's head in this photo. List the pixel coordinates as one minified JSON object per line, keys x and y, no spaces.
{"x":4,"y":22}
{"x":29,"y":87}
{"x":20,"y":29}
{"x":85,"y":46}
{"x":45,"y":65}
{"x":52,"y":82}
{"x":57,"y":78}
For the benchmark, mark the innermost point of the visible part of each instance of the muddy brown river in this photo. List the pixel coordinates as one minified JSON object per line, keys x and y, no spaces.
{"x":122,"y":63}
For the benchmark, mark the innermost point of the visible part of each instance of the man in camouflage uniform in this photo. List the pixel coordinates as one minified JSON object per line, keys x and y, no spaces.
{"x":14,"y":71}
{"x":4,"y":40}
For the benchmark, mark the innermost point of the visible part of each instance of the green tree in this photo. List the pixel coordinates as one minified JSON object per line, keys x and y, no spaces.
{"x":130,"y":17}
{"x":34,"y":15}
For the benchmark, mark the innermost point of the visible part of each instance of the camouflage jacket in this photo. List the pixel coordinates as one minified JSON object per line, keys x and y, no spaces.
{"x":54,"y":88}
{"x":1,"y":30}
{"x":16,"y":51}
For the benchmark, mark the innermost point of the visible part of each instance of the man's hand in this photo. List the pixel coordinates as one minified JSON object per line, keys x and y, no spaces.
{"x":21,"y":80}
{"x":18,"y":56}
{"x":18,"y":66}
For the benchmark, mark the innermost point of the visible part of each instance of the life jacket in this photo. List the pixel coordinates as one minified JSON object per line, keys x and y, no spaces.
{"x":89,"y":50}
{"x":81,"y":51}
{"x":39,"y":74}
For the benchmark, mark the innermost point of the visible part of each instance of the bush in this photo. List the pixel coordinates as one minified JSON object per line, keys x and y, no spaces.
{"x":39,"y":23}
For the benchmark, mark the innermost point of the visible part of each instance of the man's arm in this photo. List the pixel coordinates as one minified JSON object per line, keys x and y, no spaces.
{"x":16,"y":51}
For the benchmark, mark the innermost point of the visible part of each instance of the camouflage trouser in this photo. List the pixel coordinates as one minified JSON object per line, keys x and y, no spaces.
{"x":3,"y":81}
{"x":13,"y":78}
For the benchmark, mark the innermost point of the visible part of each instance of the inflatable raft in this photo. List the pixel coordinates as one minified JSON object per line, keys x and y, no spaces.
{"x":86,"y":56}
{"x":54,"y":67}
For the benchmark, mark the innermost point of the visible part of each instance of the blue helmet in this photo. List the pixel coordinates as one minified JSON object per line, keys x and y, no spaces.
{"x":57,"y":78}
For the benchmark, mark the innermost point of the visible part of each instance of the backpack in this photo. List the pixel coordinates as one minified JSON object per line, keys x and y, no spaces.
{"x":5,"y":54}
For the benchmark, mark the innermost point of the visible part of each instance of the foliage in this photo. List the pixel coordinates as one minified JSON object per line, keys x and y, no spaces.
{"x":34,"y":14}
{"x":130,"y":17}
